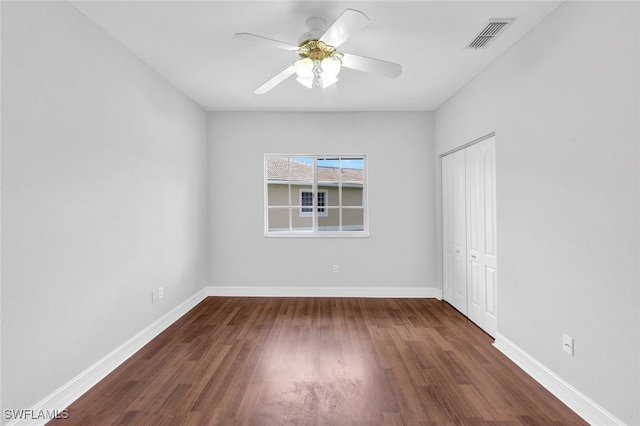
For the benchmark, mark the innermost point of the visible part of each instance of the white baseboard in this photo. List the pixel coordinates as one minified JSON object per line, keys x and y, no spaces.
{"x":573,"y":398}
{"x":390,"y":292}
{"x":72,"y":390}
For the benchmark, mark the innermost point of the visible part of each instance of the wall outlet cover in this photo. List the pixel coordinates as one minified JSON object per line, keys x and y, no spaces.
{"x":567,"y":344}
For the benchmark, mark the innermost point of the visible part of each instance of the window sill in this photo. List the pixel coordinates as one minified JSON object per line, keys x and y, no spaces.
{"x":317,"y":235}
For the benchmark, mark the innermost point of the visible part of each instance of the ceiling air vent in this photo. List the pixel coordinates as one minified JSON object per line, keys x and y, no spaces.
{"x":488,"y":33}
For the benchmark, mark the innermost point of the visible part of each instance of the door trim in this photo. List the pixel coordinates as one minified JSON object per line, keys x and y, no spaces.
{"x":468,"y":144}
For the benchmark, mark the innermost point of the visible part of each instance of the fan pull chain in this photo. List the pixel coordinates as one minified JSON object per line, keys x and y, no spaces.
{"x":317,"y":71}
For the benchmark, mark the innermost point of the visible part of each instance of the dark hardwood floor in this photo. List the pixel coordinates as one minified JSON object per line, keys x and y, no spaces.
{"x":312,"y":361}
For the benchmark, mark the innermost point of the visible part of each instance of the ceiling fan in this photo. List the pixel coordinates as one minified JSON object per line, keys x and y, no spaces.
{"x":320,"y":61}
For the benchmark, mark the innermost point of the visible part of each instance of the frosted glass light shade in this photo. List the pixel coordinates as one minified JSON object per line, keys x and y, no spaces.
{"x":307,"y":82}
{"x":304,"y":68}
{"x":331,"y":67}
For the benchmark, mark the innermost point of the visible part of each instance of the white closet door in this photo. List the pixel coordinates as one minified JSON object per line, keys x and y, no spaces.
{"x":469,"y":234}
{"x":454,"y":232}
{"x":489,"y":253}
{"x":475,"y":233}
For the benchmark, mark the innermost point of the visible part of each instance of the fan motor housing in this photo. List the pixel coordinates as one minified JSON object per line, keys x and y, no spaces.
{"x":316,"y":50}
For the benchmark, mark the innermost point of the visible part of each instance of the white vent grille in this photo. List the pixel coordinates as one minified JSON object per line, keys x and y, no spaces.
{"x":488,"y":33}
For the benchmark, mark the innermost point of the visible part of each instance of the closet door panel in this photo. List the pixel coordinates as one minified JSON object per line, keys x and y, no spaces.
{"x":475,"y":233}
{"x":491,"y":308}
{"x":489,"y":248}
{"x":454,"y":233}
{"x":459,"y":233}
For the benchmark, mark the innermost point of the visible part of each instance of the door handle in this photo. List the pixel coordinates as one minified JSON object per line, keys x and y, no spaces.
{"x":473,"y":256}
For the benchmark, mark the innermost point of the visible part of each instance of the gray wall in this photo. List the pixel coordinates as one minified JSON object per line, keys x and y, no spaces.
{"x":103,"y":197}
{"x":400,"y":155}
{"x":564,"y":105}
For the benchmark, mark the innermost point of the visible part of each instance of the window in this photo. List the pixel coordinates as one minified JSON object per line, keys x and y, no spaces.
{"x":306,"y":201}
{"x":315,"y":195}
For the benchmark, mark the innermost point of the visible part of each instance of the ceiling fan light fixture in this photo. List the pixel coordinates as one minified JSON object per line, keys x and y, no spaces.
{"x":331,"y":66}
{"x":320,"y":63}
{"x":306,"y":82}
{"x":304,"y":68}
{"x":319,"y":66}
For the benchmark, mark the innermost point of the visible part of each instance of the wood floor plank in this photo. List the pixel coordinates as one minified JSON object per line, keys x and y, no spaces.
{"x":319,"y":361}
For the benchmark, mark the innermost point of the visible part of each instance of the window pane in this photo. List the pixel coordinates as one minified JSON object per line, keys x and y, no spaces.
{"x":352,"y":174}
{"x":352,"y":195}
{"x":302,"y":223}
{"x":330,"y":222}
{"x":278,"y":169}
{"x":331,"y":197}
{"x":278,"y":219}
{"x":278,"y":194}
{"x":301,"y":169}
{"x":289,"y":170}
{"x":353,"y":219}
{"x":328,"y":170}
{"x":352,"y":169}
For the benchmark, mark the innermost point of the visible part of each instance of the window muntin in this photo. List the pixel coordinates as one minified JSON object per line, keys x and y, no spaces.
{"x":339,"y":185}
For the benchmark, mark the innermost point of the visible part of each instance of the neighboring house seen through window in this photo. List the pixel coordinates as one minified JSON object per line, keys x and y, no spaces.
{"x":309,"y":195}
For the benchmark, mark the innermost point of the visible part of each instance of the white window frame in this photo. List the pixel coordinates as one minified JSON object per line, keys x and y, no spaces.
{"x":317,"y":231}
{"x":323,"y":211}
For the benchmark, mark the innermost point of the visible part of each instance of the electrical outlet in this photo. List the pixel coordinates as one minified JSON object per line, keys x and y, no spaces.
{"x":567,"y":344}
{"x":153,"y":296}
{"x":160,"y":293}
{"x":336,"y":269}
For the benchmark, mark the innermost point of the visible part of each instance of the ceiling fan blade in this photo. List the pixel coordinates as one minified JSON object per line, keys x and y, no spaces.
{"x":347,"y":24}
{"x":268,"y":41}
{"x":376,"y":66}
{"x":279,"y":78}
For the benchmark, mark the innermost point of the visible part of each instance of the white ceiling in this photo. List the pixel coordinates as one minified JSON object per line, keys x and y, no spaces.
{"x":192,"y":44}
